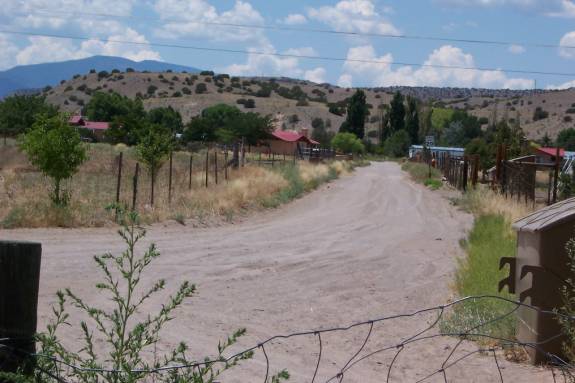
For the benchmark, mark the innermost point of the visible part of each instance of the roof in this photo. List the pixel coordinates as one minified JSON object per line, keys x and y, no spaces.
{"x":78,"y":120}
{"x":439,"y":148}
{"x":547,"y":217}
{"x":292,"y":136}
{"x":551,"y":151}
{"x":96,"y":125}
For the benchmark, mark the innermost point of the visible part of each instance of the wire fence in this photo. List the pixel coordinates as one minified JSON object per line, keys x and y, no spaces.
{"x":557,"y":368}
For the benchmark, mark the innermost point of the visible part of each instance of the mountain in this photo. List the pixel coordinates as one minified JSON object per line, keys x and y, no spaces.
{"x":38,"y":76}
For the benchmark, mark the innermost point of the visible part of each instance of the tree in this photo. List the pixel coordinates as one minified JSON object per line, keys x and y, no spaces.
{"x":168,"y":118}
{"x":319,"y":132}
{"x":412,"y":120}
{"x":478,"y":146}
{"x":566,"y":139}
{"x":347,"y":143}
{"x":397,"y":113}
{"x":546,"y":140}
{"x":356,"y":113}
{"x":152,"y":151}
{"x":397,"y":145}
{"x":55,"y":147}
{"x":18,"y":113}
{"x":107,"y":106}
{"x":461,"y":129}
{"x":201,"y":88}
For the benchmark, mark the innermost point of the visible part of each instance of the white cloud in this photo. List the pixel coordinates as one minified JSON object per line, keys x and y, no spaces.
{"x":566,"y":85}
{"x":266,"y":65}
{"x":47,"y":49}
{"x":353,"y":16}
{"x":345,"y":81}
{"x":295,"y":19}
{"x":7,"y":52}
{"x":516,"y":49}
{"x":567,"y":40}
{"x":316,"y":75}
{"x":377,"y":71}
{"x":192,"y":18}
{"x":129,"y":51}
{"x":553,"y":8}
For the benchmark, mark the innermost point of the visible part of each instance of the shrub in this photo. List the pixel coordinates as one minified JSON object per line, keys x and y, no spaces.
{"x":68,"y":88}
{"x":201,"y":88}
{"x":127,"y":338}
{"x":186,"y":90}
{"x":570,"y":111}
{"x":397,"y":145}
{"x":130,"y":70}
{"x":102,"y":74}
{"x":177,"y":94}
{"x":250,"y":103}
{"x":207,"y":73}
{"x":540,"y":114}
{"x":347,"y":143}
{"x":152,"y":89}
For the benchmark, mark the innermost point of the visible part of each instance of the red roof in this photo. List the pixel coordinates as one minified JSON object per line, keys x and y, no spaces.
{"x":78,"y":120}
{"x":96,"y":125}
{"x":291,"y":136}
{"x":551,"y":151}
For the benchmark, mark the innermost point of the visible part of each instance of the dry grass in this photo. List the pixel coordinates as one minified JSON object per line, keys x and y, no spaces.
{"x":484,"y":201}
{"x":24,"y":192}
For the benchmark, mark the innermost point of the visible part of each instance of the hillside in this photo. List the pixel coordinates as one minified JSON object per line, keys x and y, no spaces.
{"x":280,"y":98}
{"x":38,"y":76}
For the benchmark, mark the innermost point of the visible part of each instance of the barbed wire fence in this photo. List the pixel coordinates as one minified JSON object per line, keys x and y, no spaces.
{"x":558,"y":368}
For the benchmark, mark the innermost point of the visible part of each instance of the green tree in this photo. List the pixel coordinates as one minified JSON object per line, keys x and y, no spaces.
{"x":347,"y":143}
{"x":18,"y":113}
{"x":461,"y":129}
{"x":152,"y":150}
{"x":107,"y":106}
{"x":319,"y":132}
{"x":54,"y":147}
{"x":412,"y":120}
{"x":167,"y":117}
{"x":566,"y":139}
{"x":546,"y":140}
{"x":397,"y":145}
{"x":478,"y":146}
{"x":357,"y":111}
{"x":397,"y":113}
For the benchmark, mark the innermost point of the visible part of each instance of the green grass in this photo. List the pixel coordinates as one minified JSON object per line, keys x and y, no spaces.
{"x":420,"y":173}
{"x":478,"y":274}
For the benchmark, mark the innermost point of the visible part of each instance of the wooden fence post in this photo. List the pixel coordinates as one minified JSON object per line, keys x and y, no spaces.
{"x":475,"y":176}
{"x":190,"y":172}
{"x":119,"y":180}
{"x":243,"y":152}
{"x":556,"y":174}
{"x":19,"y":283}
{"x":135,"y":186}
{"x":207,"y":164}
{"x":465,"y":173}
{"x":226,"y":164}
{"x":216,"y":166}
{"x":170,"y":178}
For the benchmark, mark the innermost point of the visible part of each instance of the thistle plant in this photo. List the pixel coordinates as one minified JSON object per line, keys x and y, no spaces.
{"x":129,"y":339}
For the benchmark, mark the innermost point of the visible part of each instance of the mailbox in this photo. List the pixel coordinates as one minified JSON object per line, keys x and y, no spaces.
{"x":537,"y":274}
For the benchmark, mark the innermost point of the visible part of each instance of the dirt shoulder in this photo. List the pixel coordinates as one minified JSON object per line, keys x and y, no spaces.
{"x":368,"y":245}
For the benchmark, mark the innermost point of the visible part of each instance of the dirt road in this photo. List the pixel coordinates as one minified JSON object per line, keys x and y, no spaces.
{"x":368,"y":245}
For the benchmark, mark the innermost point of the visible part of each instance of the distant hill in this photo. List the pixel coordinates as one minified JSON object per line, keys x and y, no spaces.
{"x":38,"y":76}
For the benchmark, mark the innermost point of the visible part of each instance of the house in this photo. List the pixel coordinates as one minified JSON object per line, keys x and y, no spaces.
{"x":416,"y":151}
{"x":547,"y":155}
{"x":286,"y":142}
{"x":96,"y":128}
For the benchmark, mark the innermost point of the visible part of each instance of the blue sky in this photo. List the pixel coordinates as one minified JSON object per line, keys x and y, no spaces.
{"x":190,"y":22}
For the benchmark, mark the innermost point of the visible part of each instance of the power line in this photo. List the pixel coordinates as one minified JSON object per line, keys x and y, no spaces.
{"x":313,"y":30}
{"x":285,"y":55}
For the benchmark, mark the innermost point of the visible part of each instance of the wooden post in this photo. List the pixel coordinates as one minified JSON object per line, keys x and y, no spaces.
{"x":497,"y":178}
{"x":549,"y":188}
{"x":19,"y":283}
{"x":236,"y":156}
{"x":190,"y":172}
{"x":170,"y":177}
{"x":207,"y":164}
{"x":260,"y":158}
{"x":216,"y":166}
{"x":465,"y":172}
{"x":475,"y":176}
{"x":226,"y":164}
{"x":153,"y":180}
{"x":556,"y":174}
{"x":135,"y":186}
{"x":273,"y":159}
{"x":243,"y":151}
{"x":119,"y":180}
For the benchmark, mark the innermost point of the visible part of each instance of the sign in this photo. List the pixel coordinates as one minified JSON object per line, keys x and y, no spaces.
{"x":429,"y":141}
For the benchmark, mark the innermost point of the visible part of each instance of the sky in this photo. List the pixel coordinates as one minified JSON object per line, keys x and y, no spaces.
{"x":364,"y":58}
